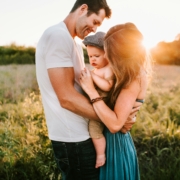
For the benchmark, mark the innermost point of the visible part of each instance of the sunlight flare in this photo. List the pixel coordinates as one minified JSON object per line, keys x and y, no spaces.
{"x":149,"y":43}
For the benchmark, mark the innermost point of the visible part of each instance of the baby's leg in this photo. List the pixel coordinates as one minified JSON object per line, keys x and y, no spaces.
{"x":100,"y":145}
{"x":99,"y":141}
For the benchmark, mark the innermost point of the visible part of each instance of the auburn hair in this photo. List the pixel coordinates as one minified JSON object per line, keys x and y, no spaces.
{"x":127,"y":57}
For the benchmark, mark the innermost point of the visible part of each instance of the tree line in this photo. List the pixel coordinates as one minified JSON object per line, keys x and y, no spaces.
{"x":162,"y":53}
{"x":14,"y":54}
{"x":167,"y":52}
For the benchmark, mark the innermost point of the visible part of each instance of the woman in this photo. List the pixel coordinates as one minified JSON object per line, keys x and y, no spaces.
{"x":130,"y":64}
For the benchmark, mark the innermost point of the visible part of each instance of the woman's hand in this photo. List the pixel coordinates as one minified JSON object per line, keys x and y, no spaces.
{"x":130,"y":121}
{"x":86,"y":81}
{"x":128,"y":125}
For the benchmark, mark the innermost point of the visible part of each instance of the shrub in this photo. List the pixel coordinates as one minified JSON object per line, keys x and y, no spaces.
{"x":17,"y":55}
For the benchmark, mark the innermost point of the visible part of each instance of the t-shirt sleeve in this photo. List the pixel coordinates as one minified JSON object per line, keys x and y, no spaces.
{"x":58,"y":50}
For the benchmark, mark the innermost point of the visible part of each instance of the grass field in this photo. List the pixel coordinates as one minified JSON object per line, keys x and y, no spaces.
{"x":25,"y":150}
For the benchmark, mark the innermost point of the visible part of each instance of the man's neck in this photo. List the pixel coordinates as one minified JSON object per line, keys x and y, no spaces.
{"x":70,"y":22}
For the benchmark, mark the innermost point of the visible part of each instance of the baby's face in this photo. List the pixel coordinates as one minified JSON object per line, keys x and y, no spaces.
{"x":96,"y":57}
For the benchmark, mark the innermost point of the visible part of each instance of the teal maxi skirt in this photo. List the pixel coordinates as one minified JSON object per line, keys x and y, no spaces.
{"x":121,"y":158}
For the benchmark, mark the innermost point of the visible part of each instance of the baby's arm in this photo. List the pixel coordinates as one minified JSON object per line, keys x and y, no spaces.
{"x":103,"y":83}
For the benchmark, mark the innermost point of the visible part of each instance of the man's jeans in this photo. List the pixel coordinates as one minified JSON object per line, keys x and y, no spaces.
{"x":76,"y":161}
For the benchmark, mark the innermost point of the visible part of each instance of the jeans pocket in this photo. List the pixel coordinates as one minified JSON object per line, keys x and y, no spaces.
{"x":61,"y":156}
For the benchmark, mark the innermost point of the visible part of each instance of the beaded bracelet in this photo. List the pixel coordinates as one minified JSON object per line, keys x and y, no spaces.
{"x":96,"y":99}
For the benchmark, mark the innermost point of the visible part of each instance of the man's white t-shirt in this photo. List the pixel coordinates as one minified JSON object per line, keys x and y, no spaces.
{"x":56,"y":48}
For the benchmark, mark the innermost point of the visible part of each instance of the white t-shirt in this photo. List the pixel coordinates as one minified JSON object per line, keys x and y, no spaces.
{"x":56,"y":48}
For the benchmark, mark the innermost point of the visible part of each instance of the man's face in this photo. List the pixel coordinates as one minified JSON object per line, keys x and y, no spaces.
{"x":87,"y":24}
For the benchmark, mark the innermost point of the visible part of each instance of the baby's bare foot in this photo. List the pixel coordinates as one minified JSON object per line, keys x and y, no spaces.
{"x":100,"y":160}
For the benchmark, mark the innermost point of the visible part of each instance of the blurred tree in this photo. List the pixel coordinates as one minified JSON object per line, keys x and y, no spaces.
{"x":167,"y":52}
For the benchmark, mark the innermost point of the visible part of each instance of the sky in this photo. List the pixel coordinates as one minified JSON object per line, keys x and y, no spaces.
{"x":23,"y":21}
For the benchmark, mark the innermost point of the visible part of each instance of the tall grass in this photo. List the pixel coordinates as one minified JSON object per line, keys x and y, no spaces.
{"x":16,"y":82}
{"x":26,"y":152}
{"x":157,"y":131}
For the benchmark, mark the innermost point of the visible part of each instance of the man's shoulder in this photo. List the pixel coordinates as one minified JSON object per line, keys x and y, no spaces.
{"x":58,"y":34}
{"x":59,"y":28}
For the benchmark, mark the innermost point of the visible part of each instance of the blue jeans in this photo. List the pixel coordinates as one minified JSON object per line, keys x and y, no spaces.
{"x":76,"y":161}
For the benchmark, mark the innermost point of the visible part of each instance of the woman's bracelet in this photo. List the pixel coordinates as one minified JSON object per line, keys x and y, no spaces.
{"x":96,"y":99}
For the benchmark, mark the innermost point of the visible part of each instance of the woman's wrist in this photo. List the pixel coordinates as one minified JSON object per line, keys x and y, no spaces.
{"x":93,"y":94}
{"x":100,"y":98}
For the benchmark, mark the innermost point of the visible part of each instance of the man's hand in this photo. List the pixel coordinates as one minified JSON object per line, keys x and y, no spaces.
{"x":130,"y":121}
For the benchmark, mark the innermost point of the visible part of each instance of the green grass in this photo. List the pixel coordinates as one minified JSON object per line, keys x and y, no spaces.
{"x":26,"y":152}
{"x":157,"y":131}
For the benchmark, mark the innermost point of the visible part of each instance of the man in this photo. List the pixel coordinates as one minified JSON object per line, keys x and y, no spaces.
{"x":59,"y":61}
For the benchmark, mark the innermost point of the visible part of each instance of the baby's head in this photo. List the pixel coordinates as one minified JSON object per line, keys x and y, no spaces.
{"x":95,"y":49}
{"x":96,"y":40}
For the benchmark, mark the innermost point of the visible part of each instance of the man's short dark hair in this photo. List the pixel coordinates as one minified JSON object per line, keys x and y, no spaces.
{"x":93,"y":6}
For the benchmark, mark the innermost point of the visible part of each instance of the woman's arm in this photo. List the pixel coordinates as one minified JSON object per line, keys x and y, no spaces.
{"x":114,"y":120}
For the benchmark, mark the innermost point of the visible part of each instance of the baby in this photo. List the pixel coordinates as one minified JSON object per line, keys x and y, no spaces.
{"x":103,"y":79}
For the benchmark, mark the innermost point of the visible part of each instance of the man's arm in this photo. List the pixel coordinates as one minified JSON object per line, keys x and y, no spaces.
{"x":62,"y":80}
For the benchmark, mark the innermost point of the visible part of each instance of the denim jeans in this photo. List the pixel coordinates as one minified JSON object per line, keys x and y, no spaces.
{"x":76,"y":161}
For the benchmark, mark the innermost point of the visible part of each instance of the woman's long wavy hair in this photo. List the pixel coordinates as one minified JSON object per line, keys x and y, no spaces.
{"x":127,"y":57}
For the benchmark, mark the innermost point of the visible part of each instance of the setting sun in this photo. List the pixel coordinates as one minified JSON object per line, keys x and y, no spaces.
{"x":149,"y":43}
